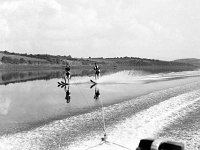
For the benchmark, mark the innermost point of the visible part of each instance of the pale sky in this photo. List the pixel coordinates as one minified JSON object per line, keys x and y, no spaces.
{"x":159,"y":29}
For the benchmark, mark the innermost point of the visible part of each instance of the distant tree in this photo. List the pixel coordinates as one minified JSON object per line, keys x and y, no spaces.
{"x":16,"y":61}
{"x":22,"y":60}
{"x":63,"y":63}
{"x":9,"y":60}
{"x":67,"y":63}
{"x":85,"y":63}
{"x":5,"y":59}
{"x":48,"y":58}
{"x":25,"y":54}
{"x":6,"y":52}
{"x":30,"y":62}
{"x":69,"y":57}
{"x":58,"y":61}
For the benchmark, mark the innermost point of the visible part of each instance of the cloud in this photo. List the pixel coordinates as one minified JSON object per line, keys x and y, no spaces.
{"x":22,"y":21}
{"x":4,"y":28}
{"x":165,"y":32}
{"x":106,"y":28}
{"x":36,"y":24}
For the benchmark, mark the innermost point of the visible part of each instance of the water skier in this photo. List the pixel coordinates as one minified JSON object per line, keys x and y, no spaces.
{"x":97,"y":71}
{"x":67,"y":72}
{"x":96,"y":93}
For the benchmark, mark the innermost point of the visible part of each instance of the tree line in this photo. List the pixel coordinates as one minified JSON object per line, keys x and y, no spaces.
{"x":10,"y":60}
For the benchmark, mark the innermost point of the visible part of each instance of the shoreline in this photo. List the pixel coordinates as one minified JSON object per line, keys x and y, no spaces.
{"x":23,"y":73}
{"x":156,"y":68}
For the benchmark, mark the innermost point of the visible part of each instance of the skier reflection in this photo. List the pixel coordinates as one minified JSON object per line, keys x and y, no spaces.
{"x":68,"y":94}
{"x":97,"y":93}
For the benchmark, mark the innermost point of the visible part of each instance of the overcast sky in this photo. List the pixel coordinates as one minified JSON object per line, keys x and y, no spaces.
{"x":160,"y":29}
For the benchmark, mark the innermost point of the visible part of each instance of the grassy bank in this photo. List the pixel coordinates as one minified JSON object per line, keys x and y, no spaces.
{"x":152,"y":68}
{"x":28,"y":62}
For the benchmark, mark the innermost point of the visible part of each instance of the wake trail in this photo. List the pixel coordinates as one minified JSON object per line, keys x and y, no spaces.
{"x":151,"y":121}
{"x":133,"y":76}
{"x":148,"y":122}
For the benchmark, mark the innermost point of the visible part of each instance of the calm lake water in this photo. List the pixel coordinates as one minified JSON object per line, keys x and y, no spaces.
{"x":34,"y":112}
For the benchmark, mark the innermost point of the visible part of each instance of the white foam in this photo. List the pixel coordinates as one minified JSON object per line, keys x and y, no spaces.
{"x":149,"y":122}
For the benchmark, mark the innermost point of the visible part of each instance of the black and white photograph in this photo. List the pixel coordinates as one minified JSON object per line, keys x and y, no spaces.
{"x":99,"y":74}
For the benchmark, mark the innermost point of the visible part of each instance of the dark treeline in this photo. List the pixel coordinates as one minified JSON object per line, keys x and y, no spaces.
{"x":10,"y":60}
{"x":58,"y":60}
{"x":45,"y":58}
{"x":39,"y":56}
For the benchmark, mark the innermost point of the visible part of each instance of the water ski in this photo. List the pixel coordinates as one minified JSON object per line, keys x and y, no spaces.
{"x":93,"y":82}
{"x":62,"y":84}
{"x":92,"y":85}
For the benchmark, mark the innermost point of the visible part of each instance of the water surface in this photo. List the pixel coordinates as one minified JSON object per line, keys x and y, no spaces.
{"x":36,"y":115}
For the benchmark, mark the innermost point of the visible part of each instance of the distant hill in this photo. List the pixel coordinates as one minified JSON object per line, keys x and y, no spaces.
{"x":192,"y":61}
{"x":17,"y":61}
{"x":16,"y":58}
{"x":40,"y":59}
{"x":4,"y":57}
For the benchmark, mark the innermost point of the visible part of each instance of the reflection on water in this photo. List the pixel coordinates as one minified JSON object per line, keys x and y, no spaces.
{"x":66,"y":89}
{"x":68,"y":94}
{"x":7,"y":77}
{"x":13,"y":77}
{"x":96,"y":92}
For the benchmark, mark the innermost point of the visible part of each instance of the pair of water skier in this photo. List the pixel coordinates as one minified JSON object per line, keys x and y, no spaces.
{"x":68,"y":77}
